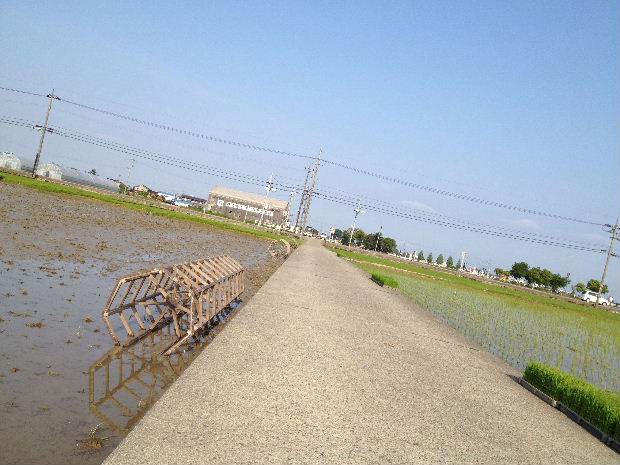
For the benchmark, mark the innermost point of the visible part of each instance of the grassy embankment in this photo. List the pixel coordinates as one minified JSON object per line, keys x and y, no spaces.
{"x":599,"y":407}
{"x":518,"y":326}
{"x":58,"y":188}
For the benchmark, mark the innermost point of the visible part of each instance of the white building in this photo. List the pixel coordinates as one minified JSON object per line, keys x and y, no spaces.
{"x":49,"y":170}
{"x":9,"y":161}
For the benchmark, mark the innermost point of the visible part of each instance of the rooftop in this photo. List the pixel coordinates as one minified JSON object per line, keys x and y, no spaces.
{"x":250,"y":197}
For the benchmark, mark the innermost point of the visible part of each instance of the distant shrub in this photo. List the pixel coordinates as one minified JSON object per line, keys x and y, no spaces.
{"x":599,"y":407}
{"x":382,"y":280}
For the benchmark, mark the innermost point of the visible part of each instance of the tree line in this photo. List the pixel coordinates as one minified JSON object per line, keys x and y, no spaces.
{"x":372,"y":241}
{"x":545,"y":278}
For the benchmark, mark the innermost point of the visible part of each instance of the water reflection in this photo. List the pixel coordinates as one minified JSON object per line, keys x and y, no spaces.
{"x":126,"y":381}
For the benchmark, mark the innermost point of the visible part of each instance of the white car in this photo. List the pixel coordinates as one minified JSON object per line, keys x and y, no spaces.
{"x":590,"y":296}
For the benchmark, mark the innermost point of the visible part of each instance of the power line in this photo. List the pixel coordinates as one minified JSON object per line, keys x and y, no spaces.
{"x":465,"y":227}
{"x":386,"y":208}
{"x":17,"y":91}
{"x":438,"y":216}
{"x":394,"y":180}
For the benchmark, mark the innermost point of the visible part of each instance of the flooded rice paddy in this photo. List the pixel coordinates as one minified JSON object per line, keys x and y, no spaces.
{"x":581,"y":341}
{"x":66,"y":394}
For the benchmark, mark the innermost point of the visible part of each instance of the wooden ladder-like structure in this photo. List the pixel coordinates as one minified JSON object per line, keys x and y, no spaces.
{"x":187,"y":294}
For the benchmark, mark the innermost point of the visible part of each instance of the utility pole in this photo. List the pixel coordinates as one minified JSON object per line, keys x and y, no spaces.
{"x":289,"y":216}
{"x":269,"y":188}
{"x":129,"y":168}
{"x":378,"y":236}
{"x":610,"y":253}
{"x":44,"y":129}
{"x":357,"y":210}
{"x":463,"y":255}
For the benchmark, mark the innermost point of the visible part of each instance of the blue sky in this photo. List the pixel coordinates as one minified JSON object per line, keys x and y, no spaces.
{"x":515,"y":102}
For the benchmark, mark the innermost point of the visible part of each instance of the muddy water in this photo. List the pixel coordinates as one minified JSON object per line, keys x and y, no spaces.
{"x":59,"y":259}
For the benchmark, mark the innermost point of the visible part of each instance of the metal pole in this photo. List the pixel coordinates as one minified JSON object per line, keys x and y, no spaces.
{"x":610,"y":252}
{"x":378,"y":235}
{"x":289,"y":216}
{"x":357,"y":211}
{"x":352,"y":230}
{"x":131,"y":162}
{"x":304,"y":193}
{"x":43,"y":131}
{"x":269,"y":187}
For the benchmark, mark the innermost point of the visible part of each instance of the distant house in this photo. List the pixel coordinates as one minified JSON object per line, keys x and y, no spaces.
{"x":142,"y":188}
{"x":49,"y":170}
{"x":182,"y":203}
{"x":9,"y":161}
{"x":193,"y":200}
{"x":169,"y":198}
{"x":247,"y":206}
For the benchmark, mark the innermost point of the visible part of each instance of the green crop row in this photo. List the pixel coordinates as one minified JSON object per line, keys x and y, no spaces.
{"x":599,"y":407}
{"x":383,"y":280}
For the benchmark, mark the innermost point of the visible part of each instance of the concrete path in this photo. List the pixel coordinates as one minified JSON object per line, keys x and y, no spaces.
{"x":323,"y":366}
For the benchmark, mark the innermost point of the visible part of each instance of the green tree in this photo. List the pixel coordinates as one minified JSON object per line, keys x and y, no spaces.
{"x":519,"y":270}
{"x":345,"y":237}
{"x":594,"y":285}
{"x":557,"y":281}
{"x":420,"y":255}
{"x":429,"y":258}
{"x":545,"y":277}
{"x":458,"y":264}
{"x":501,"y":272}
{"x":450,"y":262}
{"x":581,"y":288}
{"x":338,"y":234}
{"x":358,"y":237}
{"x":534,"y":276}
{"x":388,"y":245}
{"x":440,"y":259}
{"x":370,"y":241}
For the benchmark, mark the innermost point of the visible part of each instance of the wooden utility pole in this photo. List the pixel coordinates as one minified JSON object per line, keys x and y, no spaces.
{"x":44,"y":129}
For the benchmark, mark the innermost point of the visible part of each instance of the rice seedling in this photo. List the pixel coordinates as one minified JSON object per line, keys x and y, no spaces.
{"x":581,"y":341}
{"x":599,"y":407}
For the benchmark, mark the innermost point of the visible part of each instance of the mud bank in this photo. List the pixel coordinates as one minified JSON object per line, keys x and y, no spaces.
{"x":60,"y":256}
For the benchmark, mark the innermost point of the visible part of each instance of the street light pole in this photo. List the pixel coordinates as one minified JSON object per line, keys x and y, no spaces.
{"x":357,"y":210}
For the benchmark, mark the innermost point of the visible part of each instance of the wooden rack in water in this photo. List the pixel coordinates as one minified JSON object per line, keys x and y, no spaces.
{"x":187,"y":294}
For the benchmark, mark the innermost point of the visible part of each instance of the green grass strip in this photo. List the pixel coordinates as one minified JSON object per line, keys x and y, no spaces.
{"x":383,"y":280}
{"x":599,"y":407}
{"x":57,"y":188}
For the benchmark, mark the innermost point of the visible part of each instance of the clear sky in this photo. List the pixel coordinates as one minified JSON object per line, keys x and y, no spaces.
{"x":516,"y":102}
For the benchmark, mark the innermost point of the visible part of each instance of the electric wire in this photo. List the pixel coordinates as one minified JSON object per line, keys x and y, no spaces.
{"x":367,"y":201}
{"x":383,"y":177}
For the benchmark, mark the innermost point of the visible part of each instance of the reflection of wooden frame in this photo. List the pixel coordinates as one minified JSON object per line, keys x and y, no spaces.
{"x":188,"y":294}
{"x":129,"y":379}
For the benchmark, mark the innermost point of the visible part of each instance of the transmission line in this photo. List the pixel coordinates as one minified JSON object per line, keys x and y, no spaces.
{"x":383,"y":177}
{"x":379,"y":206}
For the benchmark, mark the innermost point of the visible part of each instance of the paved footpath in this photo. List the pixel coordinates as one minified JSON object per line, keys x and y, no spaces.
{"x":324,"y":366}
